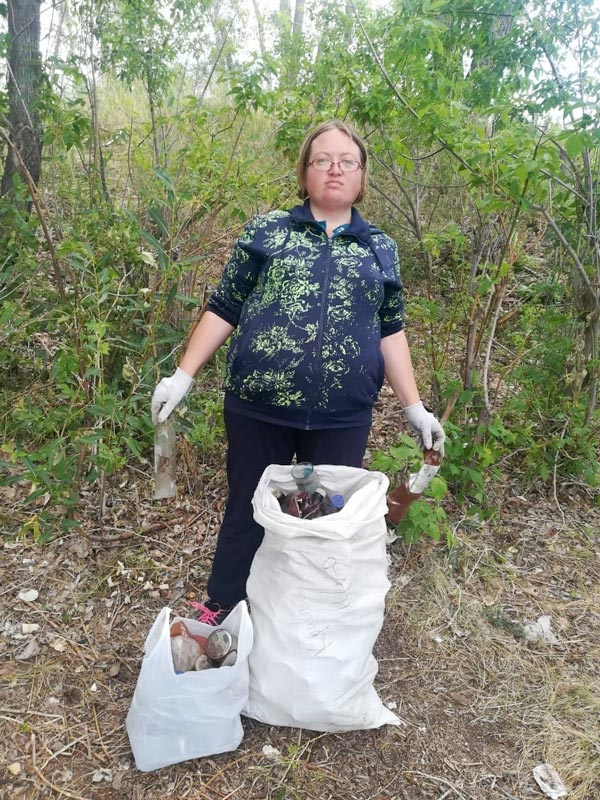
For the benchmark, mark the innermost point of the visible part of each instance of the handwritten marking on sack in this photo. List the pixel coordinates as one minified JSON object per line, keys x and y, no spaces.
{"x":335,"y":579}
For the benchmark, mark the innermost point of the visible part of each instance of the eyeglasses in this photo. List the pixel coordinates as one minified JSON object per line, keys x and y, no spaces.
{"x":325,"y":164}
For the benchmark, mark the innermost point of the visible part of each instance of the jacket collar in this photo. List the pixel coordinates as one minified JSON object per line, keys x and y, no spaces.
{"x":358,"y":228}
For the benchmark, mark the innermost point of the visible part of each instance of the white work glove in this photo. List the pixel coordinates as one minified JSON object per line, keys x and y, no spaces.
{"x":426,"y":426}
{"x":169,"y":393}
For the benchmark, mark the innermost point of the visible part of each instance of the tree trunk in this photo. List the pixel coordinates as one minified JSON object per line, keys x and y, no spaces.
{"x":298,"y":18}
{"x":24,"y":81}
{"x":222,"y":30}
{"x":261,"y":28}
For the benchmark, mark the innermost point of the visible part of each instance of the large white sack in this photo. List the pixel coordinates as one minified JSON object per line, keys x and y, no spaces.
{"x":173,"y":718}
{"x":317,"y":591}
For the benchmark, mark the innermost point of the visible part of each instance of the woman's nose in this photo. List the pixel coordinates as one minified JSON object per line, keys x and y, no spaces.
{"x":335,"y":167}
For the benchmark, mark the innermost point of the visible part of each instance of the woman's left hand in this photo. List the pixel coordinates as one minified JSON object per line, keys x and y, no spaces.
{"x":428,"y":429}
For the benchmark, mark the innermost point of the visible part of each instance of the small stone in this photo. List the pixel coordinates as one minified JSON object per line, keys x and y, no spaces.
{"x":30,"y":627}
{"x":28,"y":595}
{"x":102,"y":774}
{"x":59,"y":645}
{"x":270,"y":751}
{"x":541,"y":630}
{"x":14,"y":768}
{"x":30,"y":651}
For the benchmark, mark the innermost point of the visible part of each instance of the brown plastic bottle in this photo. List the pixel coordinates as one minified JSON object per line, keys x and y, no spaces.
{"x":400,"y":498}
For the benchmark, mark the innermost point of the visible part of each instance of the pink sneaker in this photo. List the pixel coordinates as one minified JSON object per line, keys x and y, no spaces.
{"x":209,"y":612}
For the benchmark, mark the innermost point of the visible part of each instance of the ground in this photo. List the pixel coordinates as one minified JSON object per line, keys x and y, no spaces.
{"x":482,"y":701}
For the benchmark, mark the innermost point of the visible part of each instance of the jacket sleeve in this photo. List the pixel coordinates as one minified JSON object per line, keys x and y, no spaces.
{"x":391,"y":311}
{"x":239,"y":276}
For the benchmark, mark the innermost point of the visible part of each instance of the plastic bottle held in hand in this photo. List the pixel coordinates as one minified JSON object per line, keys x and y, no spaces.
{"x":164,"y":461}
{"x":400,"y":498}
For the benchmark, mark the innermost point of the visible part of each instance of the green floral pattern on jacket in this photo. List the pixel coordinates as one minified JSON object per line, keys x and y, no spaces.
{"x":309,"y":313}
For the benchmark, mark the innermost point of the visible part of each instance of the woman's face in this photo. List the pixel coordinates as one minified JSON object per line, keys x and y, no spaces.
{"x":333,"y":190}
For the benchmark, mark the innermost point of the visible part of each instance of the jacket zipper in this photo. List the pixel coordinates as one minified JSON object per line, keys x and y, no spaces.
{"x":319,"y":343}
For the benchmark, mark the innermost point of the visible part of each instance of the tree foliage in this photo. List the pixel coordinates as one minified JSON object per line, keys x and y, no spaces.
{"x":166,"y":127}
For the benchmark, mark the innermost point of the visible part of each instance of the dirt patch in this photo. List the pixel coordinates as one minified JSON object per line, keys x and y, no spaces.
{"x":482,"y":701}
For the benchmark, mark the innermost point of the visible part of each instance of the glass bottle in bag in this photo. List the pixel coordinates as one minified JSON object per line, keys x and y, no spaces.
{"x":310,"y":501}
{"x":412,"y":487}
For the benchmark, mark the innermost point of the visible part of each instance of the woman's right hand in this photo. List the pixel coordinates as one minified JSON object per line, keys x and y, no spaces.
{"x":168,"y":394}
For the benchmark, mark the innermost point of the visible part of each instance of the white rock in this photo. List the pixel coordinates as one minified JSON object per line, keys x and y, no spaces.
{"x":102,"y":774}
{"x":541,"y":629}
{"x":31,"y":650}
{"x":548,"y":779}
{"x":14,"y":769}
{"x":271,"y":752}
{"x":28,"y":595}
{"x":30,"y":627}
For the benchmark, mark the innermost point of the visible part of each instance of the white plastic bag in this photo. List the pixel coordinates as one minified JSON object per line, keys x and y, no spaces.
{"x":173,"y":718}
{"x":316,"y":591}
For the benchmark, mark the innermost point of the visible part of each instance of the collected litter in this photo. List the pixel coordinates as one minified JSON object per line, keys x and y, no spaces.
{"x":317,"y":591}
{"x":194,"y":652}
{"x":174,"y":718}
{"x":310,"y":499}
{"x":549,"y":781}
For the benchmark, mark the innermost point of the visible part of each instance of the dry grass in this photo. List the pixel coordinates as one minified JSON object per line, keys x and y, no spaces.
{"x":481,"y":705}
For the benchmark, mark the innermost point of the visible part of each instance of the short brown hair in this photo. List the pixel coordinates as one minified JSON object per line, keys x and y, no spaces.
{"x":304,"y":154}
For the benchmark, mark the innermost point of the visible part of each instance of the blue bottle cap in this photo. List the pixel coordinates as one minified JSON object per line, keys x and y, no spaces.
{"x":337,"y":501}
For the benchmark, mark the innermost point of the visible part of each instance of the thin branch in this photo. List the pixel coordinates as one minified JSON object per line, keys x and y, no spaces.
{"x":399,"y":96}
{"x":39,"y":207}
{"x":576,"y":260}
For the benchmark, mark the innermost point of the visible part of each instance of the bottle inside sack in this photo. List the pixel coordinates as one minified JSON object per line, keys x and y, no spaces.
{"x":310,"y":500}
{"x":400,"y":498}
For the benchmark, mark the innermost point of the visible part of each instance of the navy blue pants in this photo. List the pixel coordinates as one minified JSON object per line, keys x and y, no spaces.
{"x":252,"y":446}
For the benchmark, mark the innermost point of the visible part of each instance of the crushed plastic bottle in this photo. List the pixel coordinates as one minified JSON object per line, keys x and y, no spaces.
{"x":400,"y":498}
{"x":185,"y":652}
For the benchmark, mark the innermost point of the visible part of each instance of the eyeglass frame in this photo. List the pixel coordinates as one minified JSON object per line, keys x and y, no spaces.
{"x":338,"y":164}
{"x":303,"y":155}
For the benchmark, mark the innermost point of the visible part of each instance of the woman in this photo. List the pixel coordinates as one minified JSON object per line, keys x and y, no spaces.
{"x":313,"y":298}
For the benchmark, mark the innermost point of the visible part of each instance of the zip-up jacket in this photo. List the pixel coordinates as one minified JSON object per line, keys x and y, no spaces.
{"x":309,"y":313}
